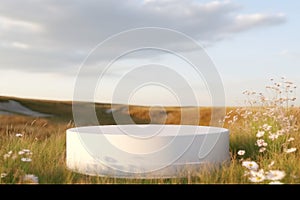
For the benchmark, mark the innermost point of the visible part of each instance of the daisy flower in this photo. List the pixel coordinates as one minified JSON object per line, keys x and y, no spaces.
{"x":26,"y":159}
{"x":261,"y":143}
{"x":291,"y":150}
{"x":3,"y":175}
{"x":19,"y":135}
{"x":275,"y":175}
{"x":267,"y":127}
{"x":260,"y":134}
{"x":273,"y":136}
{"x":25,"y":151}
{"x":241,"y":152}
{"x":251,"y":165}
{"x":256,"y":177}
{"x":262,"y":149}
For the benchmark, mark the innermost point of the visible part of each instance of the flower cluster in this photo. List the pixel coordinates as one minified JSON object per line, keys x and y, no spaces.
{"x":30,"y":179}
{"x":269,"y":118}
{"x":26,"y":153}
{"x":25,"y":156}
{"x":257,"y":175}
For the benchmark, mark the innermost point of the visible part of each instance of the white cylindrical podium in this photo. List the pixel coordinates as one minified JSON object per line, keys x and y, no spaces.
{"x":144,"y":151}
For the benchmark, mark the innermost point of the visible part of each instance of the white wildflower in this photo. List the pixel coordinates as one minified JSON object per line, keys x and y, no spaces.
{"x":281,"y":132}
{"x":241,"y":152}
{"x":261,"y":143}
{"x":275,"y":175}
{"x":21,"y":152}
{"x":30,"y":178}
{"x":257,"y":177}
{"x":275,"y":183}
{"x":291,"y":150}
{"x":260,"y":134}
{"x":3,"y":175}
{"x":262,"y":149}
{"x":19,"y":135}
{"x":235,"y":118}
{"x":251,"y":165}
{"x":267,"y":127}
{"x":26,"y":159}
{"x":25,"y":151}
{"x":291,"y":139}
{"x":273,"y":136}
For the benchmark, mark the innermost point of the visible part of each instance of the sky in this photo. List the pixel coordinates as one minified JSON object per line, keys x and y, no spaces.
{"x":50,"y":48}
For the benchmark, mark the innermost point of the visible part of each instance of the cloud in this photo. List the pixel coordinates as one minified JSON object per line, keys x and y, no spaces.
{"x":56,"y":36}
{"x":289,"y":54}
{"x":9,"y":24}
{"x":247,"y":21}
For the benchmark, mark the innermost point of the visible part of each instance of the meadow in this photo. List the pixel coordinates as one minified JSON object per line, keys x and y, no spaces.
{"x":264,"y":141}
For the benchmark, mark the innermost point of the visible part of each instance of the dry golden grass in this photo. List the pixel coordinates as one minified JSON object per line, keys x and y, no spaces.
{"x":173,"y":115}
{"x":45,"y":137}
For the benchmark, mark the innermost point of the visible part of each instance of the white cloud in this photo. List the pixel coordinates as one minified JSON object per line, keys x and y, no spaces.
{"x":9,"y":24}
{"x":20,"y":45}
{"x":56,"y":31}
{"x":247,"y":21}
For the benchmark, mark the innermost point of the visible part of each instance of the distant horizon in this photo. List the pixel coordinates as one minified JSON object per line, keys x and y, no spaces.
{"x":109,"y":103}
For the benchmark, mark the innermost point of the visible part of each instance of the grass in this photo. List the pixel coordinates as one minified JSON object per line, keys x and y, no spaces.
{"x":45,"y":138}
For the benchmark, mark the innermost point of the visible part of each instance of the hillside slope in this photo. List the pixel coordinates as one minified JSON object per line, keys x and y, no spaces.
{"x":61,"y":111}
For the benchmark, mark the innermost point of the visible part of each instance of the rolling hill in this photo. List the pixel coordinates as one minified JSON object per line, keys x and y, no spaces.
{"x":61,"y":111}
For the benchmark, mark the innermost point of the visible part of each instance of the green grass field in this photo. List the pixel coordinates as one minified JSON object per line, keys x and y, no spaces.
{"x":33,"y":149}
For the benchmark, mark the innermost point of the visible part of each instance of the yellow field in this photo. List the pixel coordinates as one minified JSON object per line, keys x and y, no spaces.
{"x":45,"y":139}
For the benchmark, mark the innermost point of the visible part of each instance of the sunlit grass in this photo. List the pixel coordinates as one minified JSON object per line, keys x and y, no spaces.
{"x":47,"y":145}
{"x":32,"y":150}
